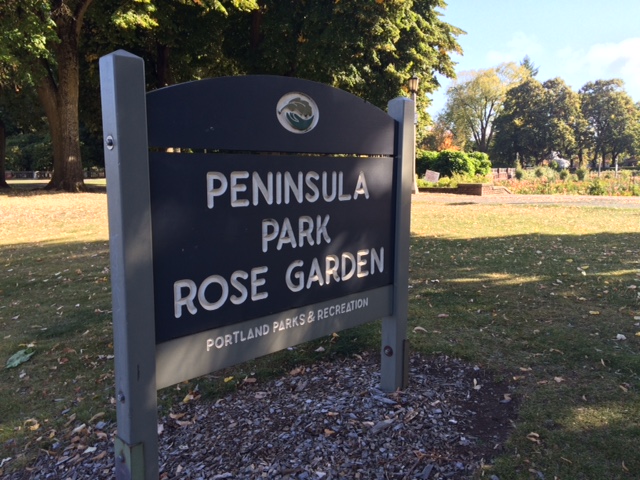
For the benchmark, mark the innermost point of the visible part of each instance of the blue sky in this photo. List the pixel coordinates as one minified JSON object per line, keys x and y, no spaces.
{"x":577,"y":40}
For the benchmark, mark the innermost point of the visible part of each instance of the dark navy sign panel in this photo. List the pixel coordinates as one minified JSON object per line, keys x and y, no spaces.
{"x":239,"y":113}
{"x":286,"y":242}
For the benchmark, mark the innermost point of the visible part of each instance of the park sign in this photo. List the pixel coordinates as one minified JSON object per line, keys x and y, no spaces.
{"x":246,"y":215}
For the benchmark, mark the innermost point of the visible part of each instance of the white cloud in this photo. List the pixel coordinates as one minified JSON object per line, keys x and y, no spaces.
{"x":519,"y":46}
{"x":605,"y":61}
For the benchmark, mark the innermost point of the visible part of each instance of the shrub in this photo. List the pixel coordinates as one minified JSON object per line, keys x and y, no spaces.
{"x":596,"y":187}
{"x":482,"y":163}
{"x":582,"y":173}
{"x":519,"y":173}
{"x":451,"y":162}
{"x":28,"y":152}
{"x":424,"y":161}
{"x":564,"y":174}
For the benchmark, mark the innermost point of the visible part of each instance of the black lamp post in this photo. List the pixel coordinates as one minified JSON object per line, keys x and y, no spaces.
{"x":414,"y":81}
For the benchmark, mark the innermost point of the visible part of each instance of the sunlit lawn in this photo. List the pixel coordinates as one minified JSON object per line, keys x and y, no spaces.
{"x":546,"y":297}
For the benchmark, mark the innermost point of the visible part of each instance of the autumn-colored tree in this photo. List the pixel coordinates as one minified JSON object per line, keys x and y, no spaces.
{"x":475,"y":99}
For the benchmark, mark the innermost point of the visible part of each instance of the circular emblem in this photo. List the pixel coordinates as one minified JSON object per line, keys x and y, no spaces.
{"x":297,"y":112}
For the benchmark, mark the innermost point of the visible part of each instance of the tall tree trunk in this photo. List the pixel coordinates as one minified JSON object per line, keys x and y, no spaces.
{"x":67,"y":165}
{"x":3,"y":151}
{"x":60,"y":97}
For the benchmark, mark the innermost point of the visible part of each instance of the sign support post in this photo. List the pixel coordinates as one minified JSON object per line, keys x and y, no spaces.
{"x":124,"y":118}
{"x":395,"y":352}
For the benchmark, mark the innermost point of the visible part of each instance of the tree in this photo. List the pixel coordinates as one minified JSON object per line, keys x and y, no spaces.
{"x":537,"y":120}
{"x":612,"y":117}
{"x":367,"y":48}
{"x":569,"y":133}
{"x":528,"y":64}
{"x":43,"y":37}
{"x":476,"y":98}
{"x":522,"y":128}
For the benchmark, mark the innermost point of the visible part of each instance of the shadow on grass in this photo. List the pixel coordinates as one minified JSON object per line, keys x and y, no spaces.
{"x":544,"y":312}
{"x":555,"y":316}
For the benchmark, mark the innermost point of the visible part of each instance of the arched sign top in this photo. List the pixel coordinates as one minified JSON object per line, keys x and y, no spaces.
{"x":268,"y":114}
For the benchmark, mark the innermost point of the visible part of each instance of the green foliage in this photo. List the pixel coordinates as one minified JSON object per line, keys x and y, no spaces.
{"x":482,"y":163}
{"x":451,"y":162}
{"x":475,"y":99}
{"x":424,"y":158}
{"x":612,"y":116}
{"x":29,"y":152}
{"x":537,"y":119}
{"x":564,"y":174}
{"x":582,"y":173}
{"x":596,"y":187}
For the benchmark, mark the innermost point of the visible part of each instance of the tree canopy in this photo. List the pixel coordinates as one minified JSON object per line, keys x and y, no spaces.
{"x":508,"y":112}
{"x":475,"y":100}
{"x":369,"y":48}
{"x":612,"y":117}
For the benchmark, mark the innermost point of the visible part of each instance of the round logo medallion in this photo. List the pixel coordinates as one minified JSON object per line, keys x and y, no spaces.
{"x":297,"y":112}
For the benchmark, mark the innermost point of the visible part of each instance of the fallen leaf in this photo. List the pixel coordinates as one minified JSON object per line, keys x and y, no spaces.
{"x":594,"y":312}
{"x":96,"y":417}
{"x":250,"y":380}
{"x":558,"y":379}
{"x":78,"y":429}
{"x":296,"y":371}
{"x":534,"y":437}
{"x":71,"y":420}
{"x":100,"y":456}
{"x":443,"y":315}
{"x":328,"y":432}
{"x":228,"y":379}
{"x":177,"y":416}
{"x":423,"y":330}
{"x":320,"y":349}
{"x":19,"y":358}
{"x":32,"y":424}
{"x":620,"y":337}
{"x":506,"y":399}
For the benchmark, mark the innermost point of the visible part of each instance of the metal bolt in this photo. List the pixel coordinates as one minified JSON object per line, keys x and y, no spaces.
{"x":110,"y":142}
{"x":121,"y":397}
{"x":388,"y":351}
{"x":121,"y":458}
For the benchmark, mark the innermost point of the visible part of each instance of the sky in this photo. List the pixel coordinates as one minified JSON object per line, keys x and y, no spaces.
{"x":577,"y":40}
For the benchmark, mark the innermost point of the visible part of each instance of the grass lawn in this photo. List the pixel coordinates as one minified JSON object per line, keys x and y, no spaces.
{"x":548,"y":298}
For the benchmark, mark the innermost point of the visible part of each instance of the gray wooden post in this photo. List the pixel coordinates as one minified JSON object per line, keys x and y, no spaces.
{"x":395,"y":349}
{"x":124,"y":120}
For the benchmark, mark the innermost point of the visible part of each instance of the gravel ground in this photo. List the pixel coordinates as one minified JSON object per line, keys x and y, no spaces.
{"x":325,"y":421}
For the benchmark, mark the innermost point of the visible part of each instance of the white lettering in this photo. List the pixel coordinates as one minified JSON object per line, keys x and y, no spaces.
{"x":238,"y":188}
{"x":212,"y":190}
